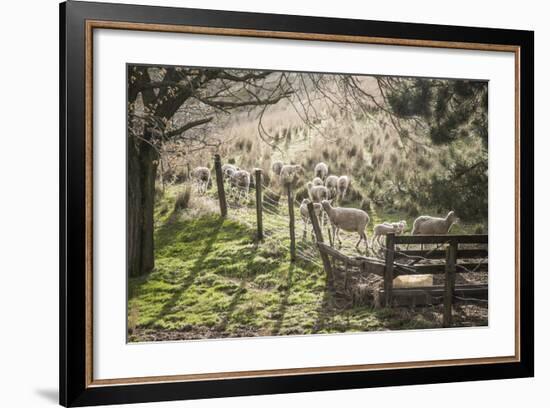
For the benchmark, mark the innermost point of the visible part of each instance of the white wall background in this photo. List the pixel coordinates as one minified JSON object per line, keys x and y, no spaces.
{"x":29,"y":204}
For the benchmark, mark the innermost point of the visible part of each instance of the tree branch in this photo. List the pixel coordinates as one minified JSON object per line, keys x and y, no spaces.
{"x":188,"y":126}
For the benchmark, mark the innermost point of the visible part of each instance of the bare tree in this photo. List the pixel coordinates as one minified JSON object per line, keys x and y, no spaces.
{"x":174,"y":103}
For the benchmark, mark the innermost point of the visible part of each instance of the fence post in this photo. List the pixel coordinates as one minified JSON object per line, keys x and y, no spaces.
{"x":319,"y":238}
{"x":388,"y":275}
{"x":259,"y":212}
{"x":450,"y":275}
{"x":219,"y":181}
{"x":291,"y":223}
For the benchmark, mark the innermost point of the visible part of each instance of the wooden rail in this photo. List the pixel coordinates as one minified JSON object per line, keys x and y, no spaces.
{"x":441,"y":254}
{"x":440,"y":239}
{"x":450,"y":268}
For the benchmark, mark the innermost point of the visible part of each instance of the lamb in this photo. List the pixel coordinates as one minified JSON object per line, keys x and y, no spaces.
{"x":317,"y":182}
{"x":276,"y":167}
{"x":348,"y":219}
{"x":400,"y":226}
{"x":201,"y":176}
{"x":227,"y":169}
{"x":332,"y":184}
{"x":240,"y":181}
{"x":428,"y":225}
{"x":343,"y":185}
{"x":321,"y":170}
{"x":290,"y":174}
{"x":386,"y":228}
{"x":305,"y":214}
{"x":317,"y":193}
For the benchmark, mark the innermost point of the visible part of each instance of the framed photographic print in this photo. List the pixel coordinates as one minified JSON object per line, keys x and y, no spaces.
{"x":255,"y":203}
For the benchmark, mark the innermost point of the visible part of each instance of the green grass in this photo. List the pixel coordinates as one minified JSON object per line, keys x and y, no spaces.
{"x":213,"y":279}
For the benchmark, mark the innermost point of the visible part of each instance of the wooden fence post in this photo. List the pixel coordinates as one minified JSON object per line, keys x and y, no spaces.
{"x":291,"y":223}
{"x":319,"y":237}
{"x":388,"y":274}
{"x":219,"y":181}
{"x":450,"y":275}
{"x":259,"y":212}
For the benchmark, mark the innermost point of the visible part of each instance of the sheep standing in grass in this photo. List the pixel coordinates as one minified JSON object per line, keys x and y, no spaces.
{"x":348,"y":219}
{"x":400,"y":226}
{"x":332,"y":184}
{"x":321,"y":170}
{"x":386,"y":228}
{"x":240,"y":182}
{"x":305,"y":214}
{"x":201,"y":176}
{"x":318,"y":194}
{"x":428,"y":225}
{"x":317,"y":182}
{"x":343,"y":186}
{"x":227,"y":168}
{"x":276,"y":167}
{"x":290,"y":174}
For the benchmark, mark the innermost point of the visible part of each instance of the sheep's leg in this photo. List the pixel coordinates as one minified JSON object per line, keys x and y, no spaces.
{"x":333,"y":234}
{"x":358,"y":242}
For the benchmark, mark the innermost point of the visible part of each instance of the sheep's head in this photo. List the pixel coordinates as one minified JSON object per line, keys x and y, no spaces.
{"x":326,"y":205}
{"x":452,"y":218}
{"x":306,"y":201}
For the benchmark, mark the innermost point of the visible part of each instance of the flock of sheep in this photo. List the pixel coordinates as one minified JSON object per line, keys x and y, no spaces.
{"x":323,"y":190}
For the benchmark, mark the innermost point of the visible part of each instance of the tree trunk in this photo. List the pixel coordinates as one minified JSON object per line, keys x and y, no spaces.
{"x":142,"y":169}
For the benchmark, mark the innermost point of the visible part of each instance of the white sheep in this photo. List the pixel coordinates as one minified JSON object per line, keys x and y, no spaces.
{"x":400,"y":226}
{"x":317,"y":193}
{"x":228,"y":168}
{"x":290,"y":174}
{"x":343,"y":185}
{"x":240,"y":182}
{"x":348,"y":219}
{"x":317,"y":182}
{"x":321,"y":170}
{"x":332,"y":184}
{"x":317,"y":208}
{"x":201,"y":176}
{"x":276,"y":167}
{"x":428,"y":225}
{"x":386,"y":228}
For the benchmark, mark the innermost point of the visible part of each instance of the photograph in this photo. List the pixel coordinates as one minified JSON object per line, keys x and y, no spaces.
{"x":270,"y":203}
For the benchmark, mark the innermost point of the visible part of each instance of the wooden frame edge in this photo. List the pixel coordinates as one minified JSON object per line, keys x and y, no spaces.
{"x":107,"y":24}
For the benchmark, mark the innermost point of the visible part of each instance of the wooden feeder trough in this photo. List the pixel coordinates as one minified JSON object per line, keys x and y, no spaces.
{"x":412,"y":277}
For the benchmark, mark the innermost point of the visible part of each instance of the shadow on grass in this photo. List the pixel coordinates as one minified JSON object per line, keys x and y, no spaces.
{"x":284,"y":300}
{"x":195,"y":269}
{"x":222,"y":326}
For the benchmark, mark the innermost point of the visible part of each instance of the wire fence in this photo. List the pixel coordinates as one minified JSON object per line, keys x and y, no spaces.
{"x":276,"y":220}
